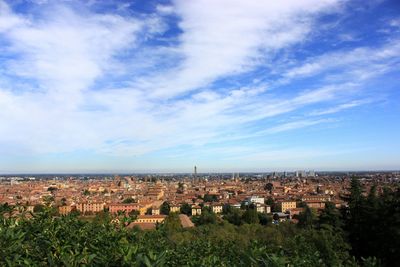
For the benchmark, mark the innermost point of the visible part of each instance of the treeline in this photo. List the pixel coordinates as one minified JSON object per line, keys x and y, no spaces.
{"x":366,"y":233}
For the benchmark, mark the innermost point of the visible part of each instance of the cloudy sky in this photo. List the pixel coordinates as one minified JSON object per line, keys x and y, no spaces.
{"x":227,"y":85}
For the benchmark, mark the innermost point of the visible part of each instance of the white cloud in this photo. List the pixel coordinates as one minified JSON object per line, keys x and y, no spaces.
{"x":68,"y":51}
{"x":222,"y":38}
{"x":341,"y":107}
{"x":361,"y":60}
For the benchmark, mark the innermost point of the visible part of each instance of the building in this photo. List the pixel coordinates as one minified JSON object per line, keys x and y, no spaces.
{"x":90,"y":207}
{"x":217,"y":208}
{"x":150,"y":218}
{"x":155,"y":211}
{"x":64,"y":210}
{"x":196,"y":210}
{"x":123,"y":207}
{"x":281,"y":217}
{"x":286,"y":205}
{"x":175,"y":208}
{"x":256,"y":200}
{"x":260,"y":208}
{"x":316,"y":204}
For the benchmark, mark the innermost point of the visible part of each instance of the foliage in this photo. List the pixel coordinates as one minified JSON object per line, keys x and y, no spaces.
{"x":210,"y":198}
{"x":372,"y":223}
{"x":172,"y":222}
{"x":307,"y":218}
{"x":250,"y":216}
{"x":52,"y":189}
{"x":165,"y":208}
{"x":263,"y":218}
{"x":186,"y":209}
{"x":128,"y":200}
{"x":206,"y":217}
{"x":46,"y":239}
{"x":269,"y":187}
{"x":271,"y":202}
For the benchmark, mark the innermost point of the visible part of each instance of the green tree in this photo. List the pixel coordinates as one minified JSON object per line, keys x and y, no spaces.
{"x":165,"y":208}
{"x":210,"y":198}
{"x":149,"y":211}
{"x":307,"y":218}
{"x":330,"y":216}
{"x":263,"y":218}
{"x":271,"y":202}
{"x":234,"y":217}
{"x":63,"y":201}
{"x":206,"y":217}
{"x":269,"y":187}
{"x":226,"y":209}
{"x":186,"y":209}
{"x":128,"y":200}
{"x":52,"y":189}
{"x":38,"y":208}
{"x":250,"y":216}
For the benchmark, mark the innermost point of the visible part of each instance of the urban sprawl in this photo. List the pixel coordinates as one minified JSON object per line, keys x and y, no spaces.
{"x":148,"y":198}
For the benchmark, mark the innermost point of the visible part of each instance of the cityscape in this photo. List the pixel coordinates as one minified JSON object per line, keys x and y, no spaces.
{"x":151,"y":197}
{"x":216,"y":133}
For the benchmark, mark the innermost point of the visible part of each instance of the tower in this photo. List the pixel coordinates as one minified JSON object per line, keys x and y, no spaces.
{"x":195,"y":173}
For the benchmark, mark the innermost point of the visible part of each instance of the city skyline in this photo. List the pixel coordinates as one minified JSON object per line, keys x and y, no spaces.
{"x":163,"y":86}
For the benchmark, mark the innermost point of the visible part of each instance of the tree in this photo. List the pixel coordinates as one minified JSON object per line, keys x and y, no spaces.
{"x":52,"y":189}
{"x":306,"y":218}
{"x":206,"y":217}
{"x":165,"y":208}
{"x":271,"y":202}
{"x":172,"y":222}
{"x":269,"y":187}
{"x":263,"y":218}
{"x":226,"y":209}
{"x":330,"y":216}
{"x":353,"y":217}
{"x":180,"y":188}
{"x":250,"y":216}
{"x":149,"y":211}
{"x":234,"y":217}
{"x":128,"y":200}
{"x":210,"y":198}
{"x":38,"y":208}
{"x":186,"y":209}
{"x":48,"y":200}
{"x":133,"y":214}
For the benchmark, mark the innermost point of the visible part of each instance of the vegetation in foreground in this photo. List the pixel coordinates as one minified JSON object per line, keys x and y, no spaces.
{"x":367,"y":233}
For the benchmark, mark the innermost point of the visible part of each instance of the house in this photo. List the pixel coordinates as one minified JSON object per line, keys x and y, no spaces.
{"x":147,"y":222}
{"x":90,"y":207}
{"x":316,"y":204}
{"x":256,"y":200}
{"x":286,"y":205}
{"x":267,"y":209}
{"x":175,"y":208}
{"x":281,"y":217}
{"x":217,"y":208}
{"x":155,"y":211}
{"x":150,"y":218}
{"x":196,"y":210}
{"x":64,"y":210}
{"x":263,"y":208}
{"x":123,"y":207}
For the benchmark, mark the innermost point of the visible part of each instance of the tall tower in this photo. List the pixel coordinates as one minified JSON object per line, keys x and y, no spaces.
{"x":195,"y":173}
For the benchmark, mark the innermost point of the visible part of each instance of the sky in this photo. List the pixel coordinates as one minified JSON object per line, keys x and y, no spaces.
{"x":226,"y":85}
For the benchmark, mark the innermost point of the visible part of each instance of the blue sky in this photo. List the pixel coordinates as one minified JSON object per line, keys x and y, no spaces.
{"x":227,"y":85}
